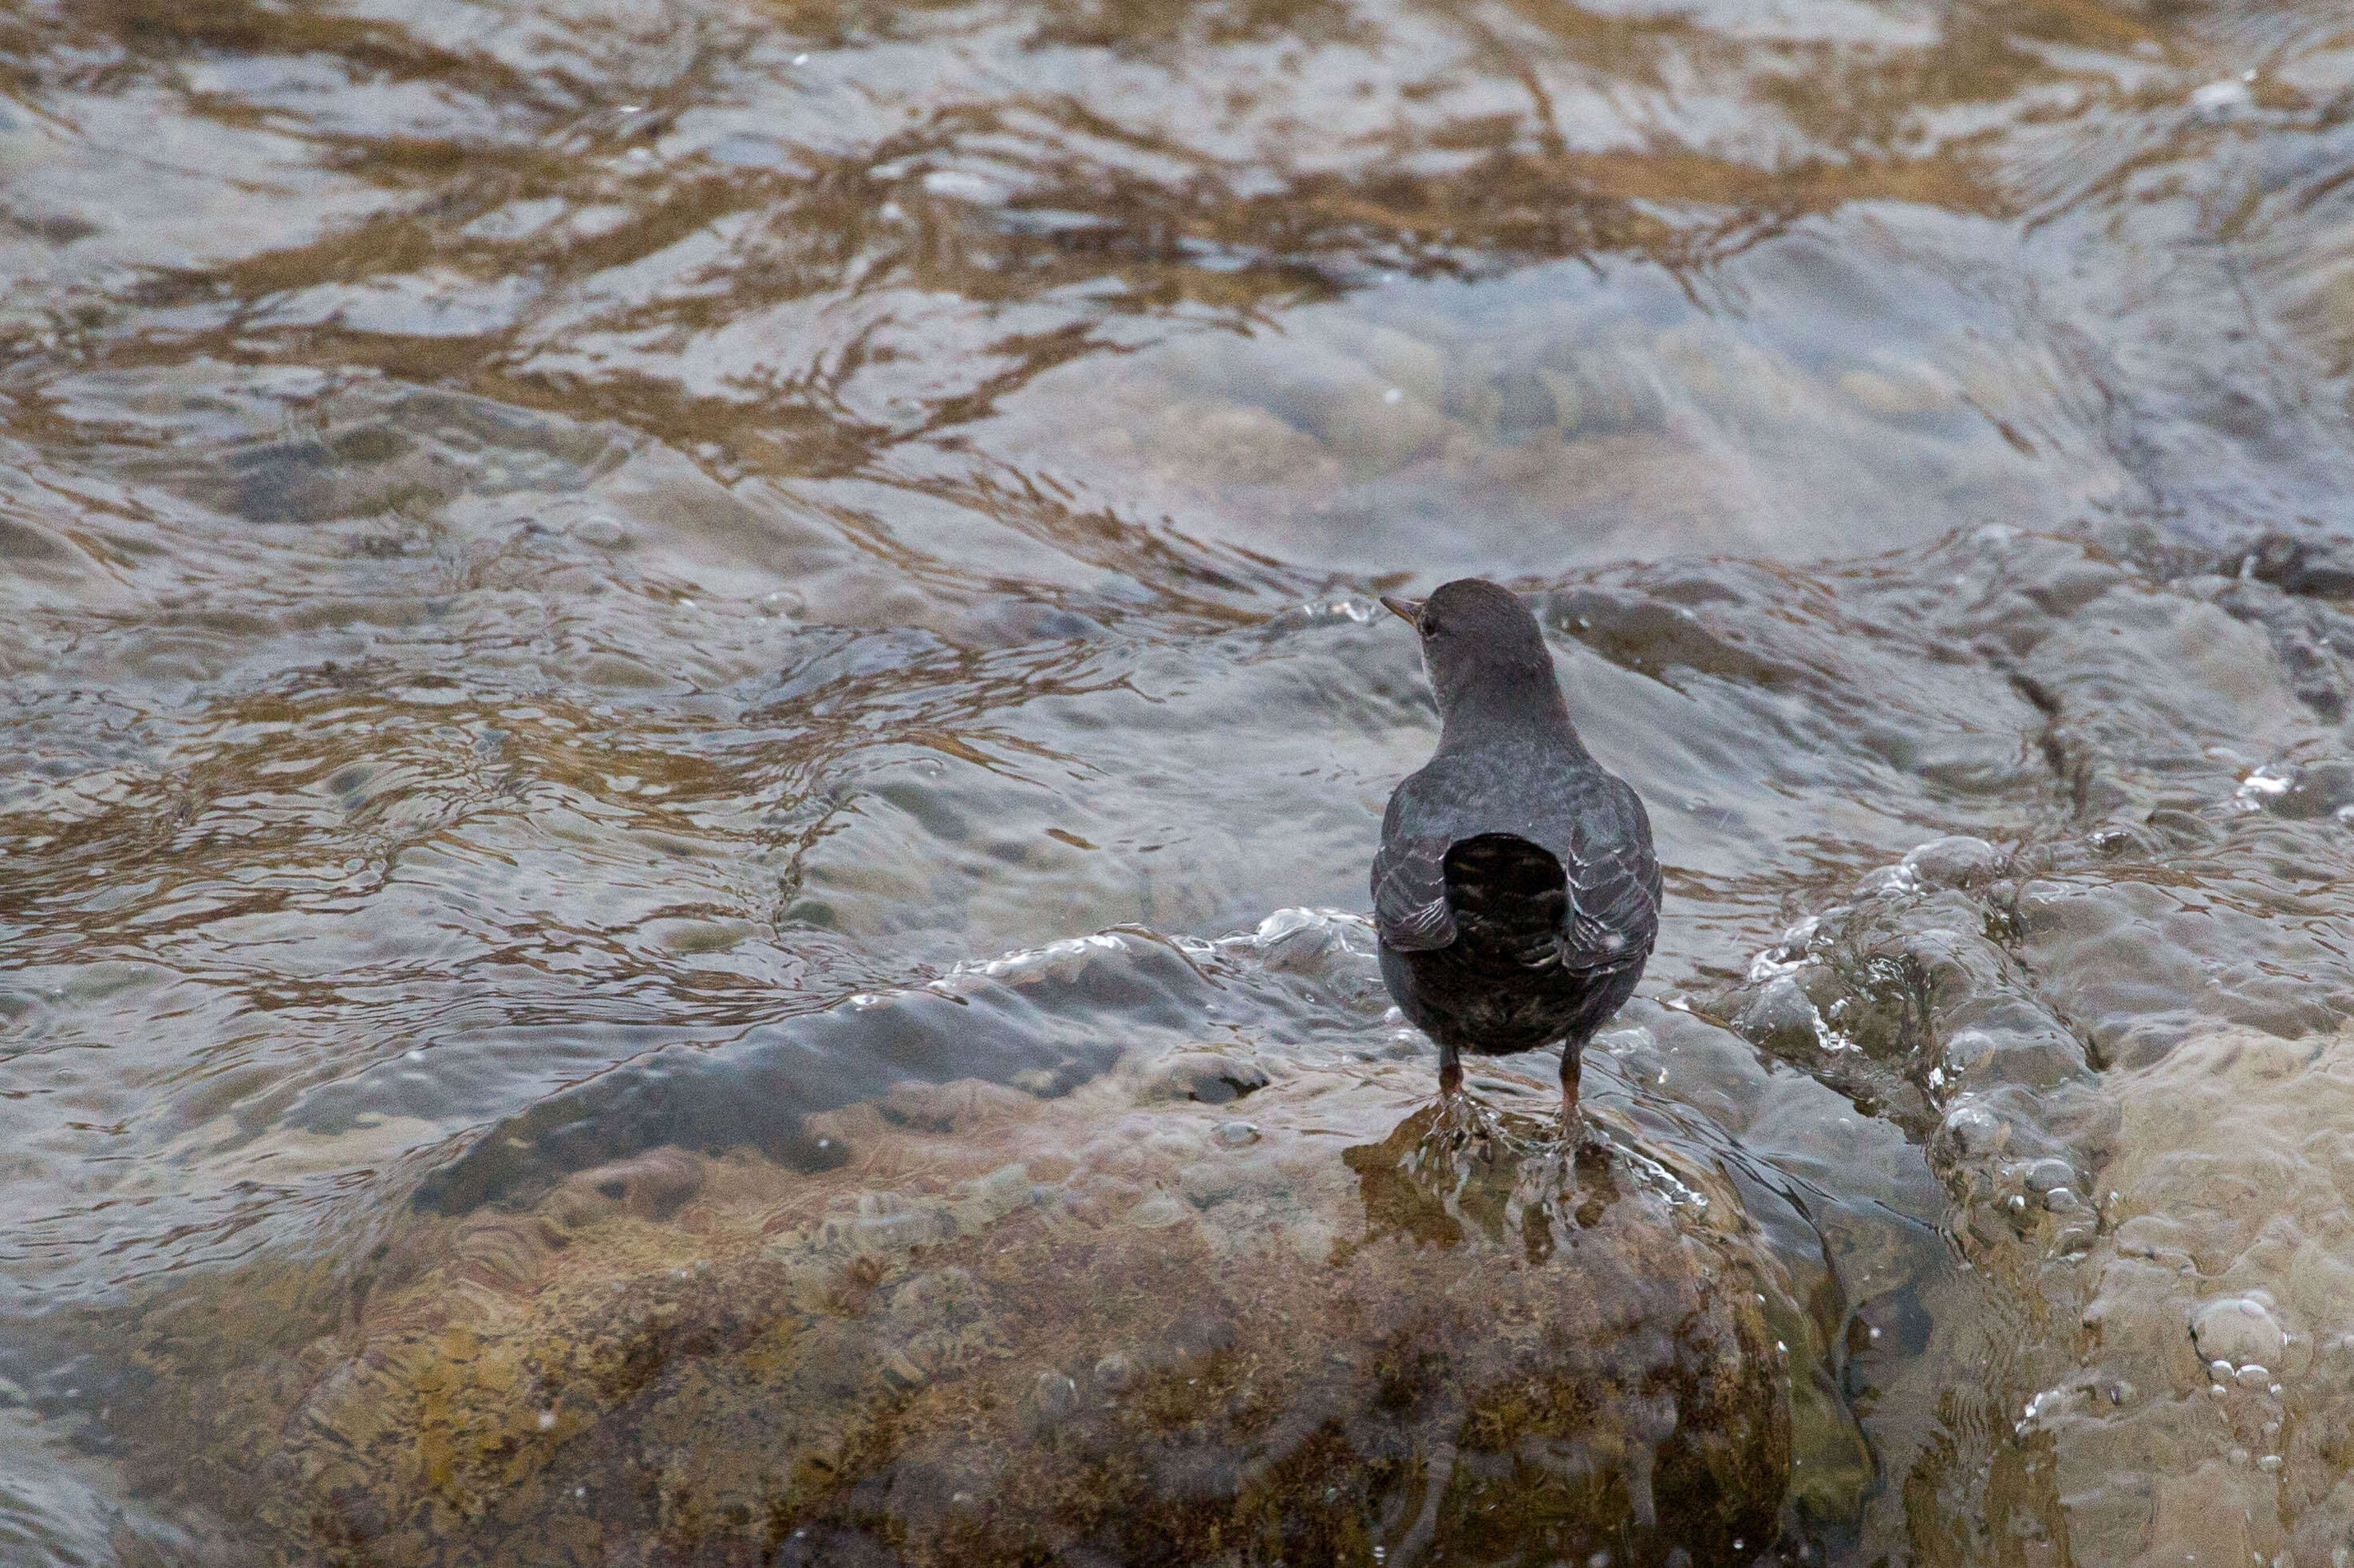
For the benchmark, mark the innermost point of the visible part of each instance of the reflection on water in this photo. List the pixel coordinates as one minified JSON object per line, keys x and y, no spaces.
{"x":576,"y":573}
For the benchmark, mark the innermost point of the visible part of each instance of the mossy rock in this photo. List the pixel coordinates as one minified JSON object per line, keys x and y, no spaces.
{"x":1313,"y":1324}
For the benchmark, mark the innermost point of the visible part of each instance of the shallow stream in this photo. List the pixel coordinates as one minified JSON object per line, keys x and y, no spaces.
{"x":644,"y":645}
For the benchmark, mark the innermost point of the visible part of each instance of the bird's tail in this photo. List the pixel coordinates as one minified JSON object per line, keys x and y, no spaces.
{"x":1510,"y":897}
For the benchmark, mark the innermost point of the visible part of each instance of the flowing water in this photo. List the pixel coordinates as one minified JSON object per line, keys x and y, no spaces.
{"x":581,"y":573}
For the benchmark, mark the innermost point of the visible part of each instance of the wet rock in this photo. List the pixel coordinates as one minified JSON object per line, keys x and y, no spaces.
{"x":652,"y":1185}
{"x":1901,"y":390}
{"x":2312,"y":638}
{"x":2230,"y":1250}
{"x":1883,"y":881}
{"x":2141,"y":737}
{"x":2321,"y":567}
{"x":601,"y":532}
{"x":1246,"y":445}
{"x":1213,"y":1078}
{"x":2122,"y":952}
{"x":1036,"y":1017}
{"x":1783,"y":1016}
{"x":1518,"y":404}
{"x":1011,"y":1342}
{"x":2319,"y":789}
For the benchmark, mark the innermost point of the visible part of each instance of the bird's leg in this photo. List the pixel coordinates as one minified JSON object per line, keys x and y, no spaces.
{"x":1576,"y":1130}
{"x":1450,"y":1073}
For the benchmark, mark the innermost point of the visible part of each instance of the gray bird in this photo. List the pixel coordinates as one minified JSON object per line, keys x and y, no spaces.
{"x":1515,"y":891}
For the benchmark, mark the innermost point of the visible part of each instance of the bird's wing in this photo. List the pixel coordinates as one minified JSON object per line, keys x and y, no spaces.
{"x":1410,"y":910}
{"x":1613,"y":886}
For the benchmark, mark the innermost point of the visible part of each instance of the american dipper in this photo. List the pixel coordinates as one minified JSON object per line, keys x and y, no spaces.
{"x":1515,"y":891}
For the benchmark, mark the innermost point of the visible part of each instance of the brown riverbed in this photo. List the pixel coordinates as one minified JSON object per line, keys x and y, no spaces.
{"x":575,"y":578}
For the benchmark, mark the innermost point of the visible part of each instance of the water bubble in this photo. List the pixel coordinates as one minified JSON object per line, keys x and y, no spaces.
{"x":2266,"y":783}
{"x":1235,"y":1134}
{"x":2045,"y":1175}
{"x":959,"y":184}
{"x":2221,"y":97}
{"x":601,"y":532}
{"x":1056,"y":1395}
{"x":547,"y":1420}
{"x":1951,"y":861}
{"x":1394,"y":395}
{"x":1975,"y":1130}
{"x":2239,"y":1329}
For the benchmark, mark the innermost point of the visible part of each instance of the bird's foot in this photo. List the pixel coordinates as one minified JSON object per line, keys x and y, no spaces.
{"x":1459,"y":1115}
{"x":1581,"y":1139}
{"x":1456,"y":1114}
{"x":1464,"y":1127}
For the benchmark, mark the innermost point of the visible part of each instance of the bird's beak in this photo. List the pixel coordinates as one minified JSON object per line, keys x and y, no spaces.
{"x":1406,"y":610}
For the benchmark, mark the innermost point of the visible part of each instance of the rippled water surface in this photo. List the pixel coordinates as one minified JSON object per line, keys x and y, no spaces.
{"x":578,"y":576}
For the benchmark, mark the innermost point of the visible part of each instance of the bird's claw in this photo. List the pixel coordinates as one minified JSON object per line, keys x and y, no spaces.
{"x":1587,"y":1144}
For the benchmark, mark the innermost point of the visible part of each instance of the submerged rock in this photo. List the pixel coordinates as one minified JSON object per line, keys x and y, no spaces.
{"x":1006,"y":1329}
{"x":2213,"y":1347}
{"x":2134,"y":1078}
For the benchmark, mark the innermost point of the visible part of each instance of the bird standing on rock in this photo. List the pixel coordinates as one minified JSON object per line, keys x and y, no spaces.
{"x":1515,"y":893}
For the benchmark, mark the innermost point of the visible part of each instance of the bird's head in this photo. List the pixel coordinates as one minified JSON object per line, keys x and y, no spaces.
{"x":1483,"y":650}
